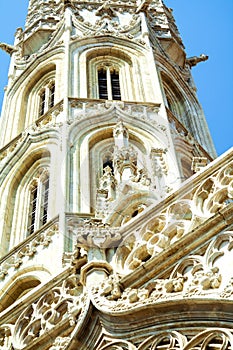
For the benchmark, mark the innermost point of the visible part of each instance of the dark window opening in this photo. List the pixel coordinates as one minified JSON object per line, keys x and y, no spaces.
{"x":116,"y":93}
{"x":135,"y":213}
{"x":102,"y":81}
{"x":109,"y":163}
{"x":109,"y":84}
{"x":52,"y":95}
{"x":42,"y":103}
{"x":45,"y":196}
{"x":33,"y":207}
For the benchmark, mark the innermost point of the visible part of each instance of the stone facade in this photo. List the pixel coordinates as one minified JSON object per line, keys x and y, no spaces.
{"x":116,"y":222}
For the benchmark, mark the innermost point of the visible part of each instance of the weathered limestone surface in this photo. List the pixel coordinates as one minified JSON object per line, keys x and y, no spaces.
{"x":116,"y":221}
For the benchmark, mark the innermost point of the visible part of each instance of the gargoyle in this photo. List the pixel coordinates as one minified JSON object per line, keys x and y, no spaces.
{"x":192,"y":61}
{"x":8,"y":48}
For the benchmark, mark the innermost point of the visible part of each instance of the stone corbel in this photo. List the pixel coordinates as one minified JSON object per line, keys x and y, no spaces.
{"x":94,"y":272}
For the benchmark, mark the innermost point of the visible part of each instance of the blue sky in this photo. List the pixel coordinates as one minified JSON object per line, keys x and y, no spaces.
{"x":206,"y":26}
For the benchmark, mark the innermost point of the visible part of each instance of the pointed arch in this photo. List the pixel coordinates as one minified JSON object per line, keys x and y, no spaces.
{"x":21,"y":283}
{"x":19,"y":206}
{"x":119,"y":56}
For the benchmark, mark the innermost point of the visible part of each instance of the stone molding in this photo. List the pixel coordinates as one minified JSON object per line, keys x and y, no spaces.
{"x":20,"y":255}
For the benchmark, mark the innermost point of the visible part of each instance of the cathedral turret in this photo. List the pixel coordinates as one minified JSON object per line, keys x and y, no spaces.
{"x":115,"y":222}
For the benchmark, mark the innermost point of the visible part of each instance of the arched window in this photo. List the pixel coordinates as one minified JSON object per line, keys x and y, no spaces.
{"x":109,"y":83}
{"x":47,"y":98}
{"x":109,"y":75}
{"x":38,"y":208}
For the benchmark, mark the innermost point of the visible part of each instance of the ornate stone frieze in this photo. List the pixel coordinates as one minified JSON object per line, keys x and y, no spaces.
{"x":179,"y":218}
{"x":99,"y":236}
{"x":106,"y":19}
{"x":80,"y":109}
{"x":42,"y":12}
{"x":27,"y":250}
{"x":194,"y":276}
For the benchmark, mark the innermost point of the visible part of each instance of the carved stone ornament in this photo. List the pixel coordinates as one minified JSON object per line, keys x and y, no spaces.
{"x":194,"y":275}
{"x":28,"y":250}
{"x":60,"y":306}
{"x":107,"y":20}
{"x":60,"y":343}
{"x":177,"y":219}
{"x":125,"y":156}
{"x":216,"y":338}
{"x":6,"y":337}
{"x":93,"y":233}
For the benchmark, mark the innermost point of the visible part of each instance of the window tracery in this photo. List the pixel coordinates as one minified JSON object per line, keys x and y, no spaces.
{"x":110,"y":76}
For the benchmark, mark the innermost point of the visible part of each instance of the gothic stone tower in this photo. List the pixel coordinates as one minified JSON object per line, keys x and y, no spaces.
{"x":116,"y":222}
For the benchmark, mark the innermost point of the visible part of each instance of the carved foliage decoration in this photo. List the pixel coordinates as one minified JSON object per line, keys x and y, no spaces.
{"x":60,"y":343}
{"x":5,"y":336}
{"x":28,"y":250}
{"x":107,"y":20}
{"x":61,"y":305}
